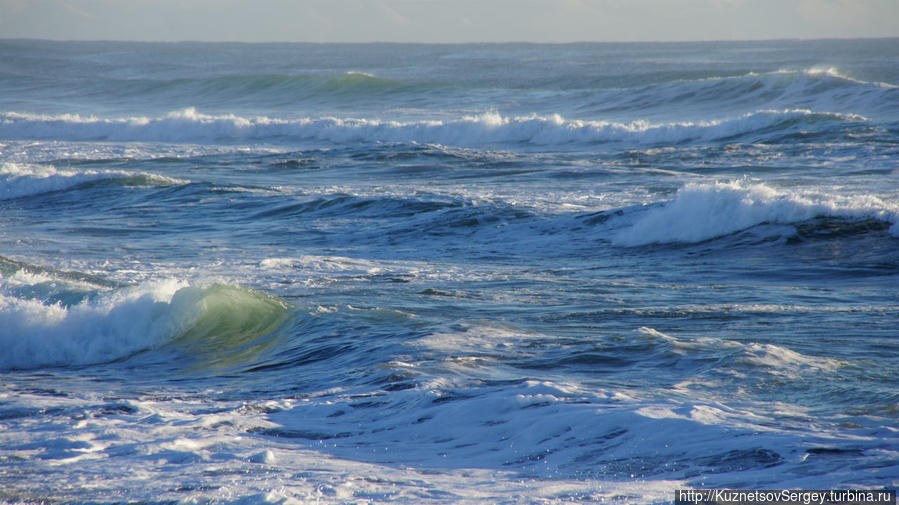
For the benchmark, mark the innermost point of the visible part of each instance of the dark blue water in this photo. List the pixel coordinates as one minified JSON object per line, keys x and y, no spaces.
{"x":297,"y":273}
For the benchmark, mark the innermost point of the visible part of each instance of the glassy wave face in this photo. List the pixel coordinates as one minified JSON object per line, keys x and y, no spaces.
{"x":515,"y":273}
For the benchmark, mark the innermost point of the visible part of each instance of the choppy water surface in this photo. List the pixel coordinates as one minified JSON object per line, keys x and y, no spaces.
{"x":294,"y":273}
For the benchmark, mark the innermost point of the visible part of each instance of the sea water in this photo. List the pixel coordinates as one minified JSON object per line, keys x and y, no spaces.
{"x":514,"y":273}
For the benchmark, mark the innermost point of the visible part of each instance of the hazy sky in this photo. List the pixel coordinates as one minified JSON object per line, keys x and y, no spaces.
{"x":446,"y":20}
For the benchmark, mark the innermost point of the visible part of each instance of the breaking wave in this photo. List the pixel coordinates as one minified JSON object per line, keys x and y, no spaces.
{"x":58,"y":320}
{"x":21,"y":180}
{"x":702,"y":211}
{"x":188,"y":125}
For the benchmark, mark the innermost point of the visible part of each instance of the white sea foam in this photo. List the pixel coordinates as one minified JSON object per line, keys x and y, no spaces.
{"x":188,"y":125}
{"x":324,"y":264}
{"x":352,"y":73}
{"x":134,"y":447}
{"x":702,"y":211}
{"x":835,"y":73}
{"x":797,"y":85}
{"x":775,"y":360}
{"x":783,"y":361}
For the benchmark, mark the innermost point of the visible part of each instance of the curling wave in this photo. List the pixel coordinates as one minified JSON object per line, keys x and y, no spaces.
{"x":59,"y":320}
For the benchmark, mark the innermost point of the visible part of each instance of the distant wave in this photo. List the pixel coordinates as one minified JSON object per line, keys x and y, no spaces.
{"x":702,"y":211}
{"x":288,"y":85}
{"x":188,"y":125}
{"x":51,"y":320}
{"x":812,"y":88}
{"x":802,"y":80}
{"x":272,"y":89}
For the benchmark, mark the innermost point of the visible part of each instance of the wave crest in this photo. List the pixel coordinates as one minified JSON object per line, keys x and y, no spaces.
{"x":702,"y":211}
{"x":22,"y":180}
{"x":188,"y":125}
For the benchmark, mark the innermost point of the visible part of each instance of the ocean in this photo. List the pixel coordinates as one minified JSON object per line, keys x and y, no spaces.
{"x":473,"y":274}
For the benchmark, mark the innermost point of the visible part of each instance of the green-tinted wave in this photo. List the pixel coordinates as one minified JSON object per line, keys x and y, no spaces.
{"x":238,"y":326}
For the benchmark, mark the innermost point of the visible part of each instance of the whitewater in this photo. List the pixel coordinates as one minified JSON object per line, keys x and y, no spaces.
{"x":475,"y":274}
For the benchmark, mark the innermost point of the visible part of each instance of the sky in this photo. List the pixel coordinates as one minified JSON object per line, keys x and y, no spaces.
{"x":441,"y":21}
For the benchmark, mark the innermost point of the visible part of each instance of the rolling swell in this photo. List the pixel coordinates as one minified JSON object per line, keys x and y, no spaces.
{"x":273,"y":89}
{"x":269,"y":89}
{"x":344,"y":205}
{"x":814,"y":88}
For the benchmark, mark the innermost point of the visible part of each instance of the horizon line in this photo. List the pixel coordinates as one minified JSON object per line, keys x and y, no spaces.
{"x":393,"y":42}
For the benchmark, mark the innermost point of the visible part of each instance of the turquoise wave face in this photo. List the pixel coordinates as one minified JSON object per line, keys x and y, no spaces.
{"x":238,"y":327}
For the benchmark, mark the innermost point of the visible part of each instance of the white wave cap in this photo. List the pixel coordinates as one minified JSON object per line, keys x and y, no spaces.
{"x":702,"y":211}
{"x":19,"y":180}
{"x":118,"y":323}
